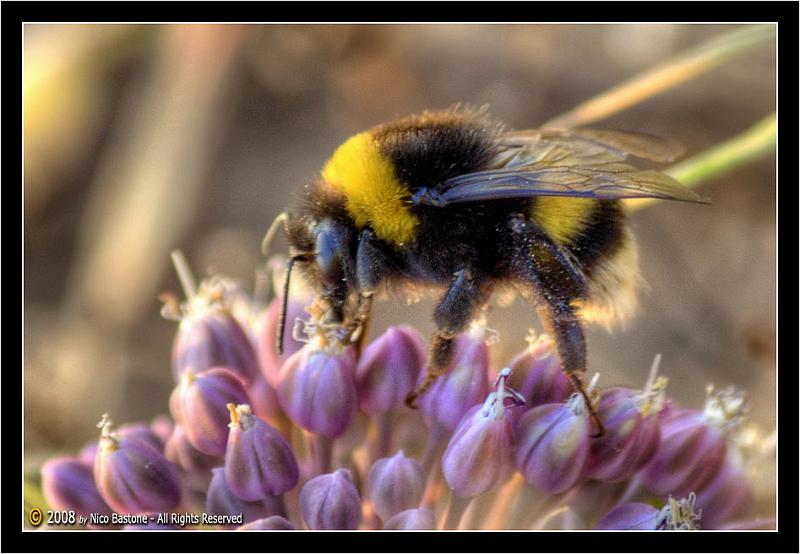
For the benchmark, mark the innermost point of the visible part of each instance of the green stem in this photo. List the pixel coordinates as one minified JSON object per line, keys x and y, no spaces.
{"x":734,"y":152}
{"x":745,"y":147}
{"x":680,"y":69}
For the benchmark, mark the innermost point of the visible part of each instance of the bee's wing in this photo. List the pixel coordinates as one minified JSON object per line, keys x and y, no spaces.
{"x":592,"y":143}
{"x":612,"y":182}
{"x":581,"y":163}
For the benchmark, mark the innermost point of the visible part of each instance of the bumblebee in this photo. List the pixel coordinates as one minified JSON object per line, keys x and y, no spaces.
{"x":450,"y":199}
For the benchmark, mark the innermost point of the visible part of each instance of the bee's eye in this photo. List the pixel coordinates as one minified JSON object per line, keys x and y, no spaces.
{"x":328,"y":257}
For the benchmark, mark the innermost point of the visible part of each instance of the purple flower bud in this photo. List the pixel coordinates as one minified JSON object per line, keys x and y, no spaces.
{"x":221,"y":501}
{"x":465,"y":384}
{"x":631,"y":419}
{"x":632,"y":515}
{"x":536,"y":373}
{"x":592,"y":498}
{"x":143,"y":432}
{"x":479,"y":455}
{"x":211,"y":337}
{"x":412,"y":520}
{"x":317,"y":389}
{"x":389,"y":368}
{"x":264,"y":399}
{"x":267,"y":333}
{"x":200,"y":403}
{"x":690,"y":455}
{"x":258,"y":462}
{"x":553,"y":444}
{"x":331,"y":501}
{"x":132,"y":476}
{"x":195,"y":464}
{"x":675,"y":515}
{"x":395,"y":484}
{"x":68,"y":484}
{"x":727,"y":498}
{"x":88,"y":453}
{"x":162,"y":426}
{"x":273,"y":523}
{"x":631,"y":439}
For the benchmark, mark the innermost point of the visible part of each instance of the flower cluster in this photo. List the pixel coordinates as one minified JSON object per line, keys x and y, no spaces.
{"x":318,"y":437}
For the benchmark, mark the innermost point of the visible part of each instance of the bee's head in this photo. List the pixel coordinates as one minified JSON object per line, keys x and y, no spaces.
{"x":324,"y":247}
{"x":332,"y":265}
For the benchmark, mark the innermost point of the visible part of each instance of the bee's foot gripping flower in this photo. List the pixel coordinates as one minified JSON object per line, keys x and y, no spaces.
{"x":465,"y":384}
{"x":536,"y":373}
{"x":631,"y":419}
{"x":553,"y":444}
{"x":388,"y":368}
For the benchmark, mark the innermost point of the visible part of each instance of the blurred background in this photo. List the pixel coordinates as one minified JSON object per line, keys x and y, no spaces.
{"x":146,"y":138}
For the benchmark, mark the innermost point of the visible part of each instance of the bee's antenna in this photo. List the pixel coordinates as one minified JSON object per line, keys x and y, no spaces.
{"x":282,"y":219}
{"x":285,"y":302}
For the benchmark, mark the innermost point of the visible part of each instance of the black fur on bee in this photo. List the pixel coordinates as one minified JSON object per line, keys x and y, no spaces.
{"x":450,"y":199}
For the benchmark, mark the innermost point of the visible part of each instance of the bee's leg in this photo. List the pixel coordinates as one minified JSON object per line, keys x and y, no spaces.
{"x":361,"y":321}
{"x":564,"y":326}
{"x":464,"y":297}
{"x":371,"y":266}
{"x":558,"y":282}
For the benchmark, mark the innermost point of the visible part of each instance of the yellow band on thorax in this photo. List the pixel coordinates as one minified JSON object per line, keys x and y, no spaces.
{"x":374,"y":196}
{"x":563,"y":218}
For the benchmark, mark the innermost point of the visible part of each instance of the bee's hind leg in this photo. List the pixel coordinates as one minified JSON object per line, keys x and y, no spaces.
{"x":462,"y":300}
{"x":558,"y":282}
{"x":564,"y":326}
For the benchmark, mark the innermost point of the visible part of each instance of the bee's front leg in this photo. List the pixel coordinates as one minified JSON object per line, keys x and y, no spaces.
{"x":462,"y":300}
{"x":371,"y":267}
{"x":357,"y":330}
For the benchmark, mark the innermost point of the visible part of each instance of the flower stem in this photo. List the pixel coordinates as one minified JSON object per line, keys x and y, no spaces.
{"x":184,"y":274}
{"x":747,"y":146}
{"x":455,"y":511}
{"x":323,"y":453}
{"x":291,"y":503}
{"x":680,"y":69}
{"x":498,"y":514}
{"x":434,"y":448}
{"x":382,"y":443}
